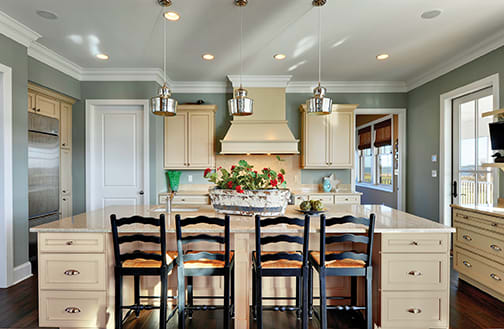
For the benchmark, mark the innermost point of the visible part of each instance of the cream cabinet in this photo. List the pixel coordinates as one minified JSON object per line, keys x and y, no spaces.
{"x":66,"y":126}
{"x":66,"y":172}
{"x":329,"y":198}
{"x":47,"y":106}
{"x":328,"y":141}
{"x":66,"y":206}
{"x":189,"y":138}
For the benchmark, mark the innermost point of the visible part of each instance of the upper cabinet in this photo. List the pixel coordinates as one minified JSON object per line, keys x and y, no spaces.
{"x":189,"y":138}
{"x":328,"y":141}
{"x":66,"y":126}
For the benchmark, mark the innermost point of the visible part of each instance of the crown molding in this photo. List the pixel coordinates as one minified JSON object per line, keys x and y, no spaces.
{"x":210,"y":87}
{"x":123,"y":74}
{"x":55,"y":60}
{"x":487,"y":45}
{"x":17,"y":31}
{"x":271,"y":81}
{"x":348,"y":86}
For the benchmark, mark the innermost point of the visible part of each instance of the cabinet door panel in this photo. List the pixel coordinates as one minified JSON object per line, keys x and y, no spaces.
{"x":201,"y":143}
{"x":316,"y":140}
{"x":47,"y":106}
{"x":341,"y":140}
{"x":31,"y":102}
{"x":66,"y":125}
{"x":66,"y":206}
{"x":66,"y":172}
{"x":175,"y":141}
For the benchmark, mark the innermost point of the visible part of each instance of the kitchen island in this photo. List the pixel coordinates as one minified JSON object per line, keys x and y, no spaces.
{"x":410,"y":259}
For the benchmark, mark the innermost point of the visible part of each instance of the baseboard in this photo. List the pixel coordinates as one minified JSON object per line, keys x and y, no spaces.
{"x":22,"y":272}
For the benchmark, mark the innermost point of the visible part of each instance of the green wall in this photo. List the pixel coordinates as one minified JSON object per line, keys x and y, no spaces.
{"x":44,"y":75}
{"x":423,"y":129}
{"x":15,"y":56}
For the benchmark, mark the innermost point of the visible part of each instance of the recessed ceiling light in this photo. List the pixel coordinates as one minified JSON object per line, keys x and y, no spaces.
{"x":102,"y":56}
{"x":279,"y":57}
{"x":208,"y":57}
{"x":382,"y":57}
{"x":431,"y":14}
{"x":47,"y":14}
{"x":171,"y":16}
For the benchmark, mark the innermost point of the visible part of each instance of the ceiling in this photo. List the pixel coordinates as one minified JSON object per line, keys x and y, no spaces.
{"x":354,"y":32}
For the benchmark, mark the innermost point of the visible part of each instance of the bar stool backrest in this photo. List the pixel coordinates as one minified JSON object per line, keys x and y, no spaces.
{"x":362,"y":239}
{"x":183,"y":240}
{"x":304,"y":241}
{"x":127,"y":238}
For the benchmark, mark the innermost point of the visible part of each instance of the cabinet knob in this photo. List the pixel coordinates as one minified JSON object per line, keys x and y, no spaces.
{"x":38,"y":110}
{"x":467,"y":237}
{"x":415,"y":311}
{"x":467,"y":264}
{"x":496,"y":247}
{"x":72,"y":310}
{"x":495,"y":277}
{"x":71,"y":272}
{"x":69,"y":243}
{"x":34,"y":109}
{"x":64,"y":199}
{"x":64,"y":191}
{"x":414,"y":243}
{"x":63,"y":144}
{"x":494,"y":224}
{"x":415,"y":273}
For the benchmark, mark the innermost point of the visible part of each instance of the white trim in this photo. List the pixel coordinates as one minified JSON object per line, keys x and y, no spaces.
{"x":402,"y":113}
{"x":209,"y":87}
{"x":90,"y":111}
{"x":381,"y":188}
{"x":349,"y":86}
{"x":17,"y":31}
{"x":54,"y":60}
{"x":123,"y":74}
{"x":266,"y":81}
{"x":445,"y":139}
{"x":22,"y":272}
{"x":487,"y":45}
{"x":6,"y":184}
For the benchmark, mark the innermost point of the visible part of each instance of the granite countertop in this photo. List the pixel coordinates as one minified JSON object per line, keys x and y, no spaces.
{"x":388,"y":220}
{"x":490,"y":211}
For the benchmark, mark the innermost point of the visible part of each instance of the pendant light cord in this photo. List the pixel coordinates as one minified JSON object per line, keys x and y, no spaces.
{"x":241,"y":46}
{"x":164,"y":50}
{"x":320,"y":45}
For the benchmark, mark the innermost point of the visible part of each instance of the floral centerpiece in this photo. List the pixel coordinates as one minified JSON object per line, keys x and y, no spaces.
{"x":245,"y":191}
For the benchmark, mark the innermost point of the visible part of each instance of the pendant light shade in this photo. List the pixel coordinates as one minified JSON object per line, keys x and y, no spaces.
{"x":162,"y":104}
{"x":240,"y":104}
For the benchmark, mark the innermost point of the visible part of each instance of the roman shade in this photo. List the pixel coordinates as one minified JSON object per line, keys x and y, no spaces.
{"x":364,"y":138}
{"x":383,"y":133}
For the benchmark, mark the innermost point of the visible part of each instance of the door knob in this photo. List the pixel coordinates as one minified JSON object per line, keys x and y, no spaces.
{"x":141,"y":192}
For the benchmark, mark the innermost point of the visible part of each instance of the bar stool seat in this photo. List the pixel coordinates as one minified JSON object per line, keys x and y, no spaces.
{"x":207,"y":263}
{"x":281,"y":263}
{"x":340,"y":263}
{"x":150,"y":263}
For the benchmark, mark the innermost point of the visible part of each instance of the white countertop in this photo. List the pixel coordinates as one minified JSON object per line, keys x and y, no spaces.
{"x":388,"y":220}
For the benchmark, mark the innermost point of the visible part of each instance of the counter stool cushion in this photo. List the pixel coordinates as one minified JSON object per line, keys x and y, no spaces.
{"x":149,"y":263}
{"x":282,"y":263}
{"x":348,"y":263}
{"x":206,"y":263}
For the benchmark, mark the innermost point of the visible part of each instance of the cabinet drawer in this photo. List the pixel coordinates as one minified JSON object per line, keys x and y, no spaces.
{"x":186,"y":199}
{"x":485,"y":222}
{"x":467,"y":238}
{"x":351,"y":199}
{"x":415,"y":243}
{"x":324,"y":198}
{"x":414,"y":271}
{"x":478,"y":268}
{"x":71,"y":242}
{"x":75,"y":309}
{"x":72,"y":271}
{"x":414,"y":309}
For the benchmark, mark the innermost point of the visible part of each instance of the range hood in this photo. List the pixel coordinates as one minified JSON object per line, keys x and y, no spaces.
{"x":264,"y":132}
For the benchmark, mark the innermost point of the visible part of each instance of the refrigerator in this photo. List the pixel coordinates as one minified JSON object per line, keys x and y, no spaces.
{"x":43,"y":174}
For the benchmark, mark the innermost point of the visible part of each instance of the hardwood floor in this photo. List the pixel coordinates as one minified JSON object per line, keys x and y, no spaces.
{"x":470,"y":309}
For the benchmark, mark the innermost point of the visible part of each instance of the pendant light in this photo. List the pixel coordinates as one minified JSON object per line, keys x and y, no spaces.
{"x":319,"y":103}
{"x":163,"y":104}
{"x":240,"y":104}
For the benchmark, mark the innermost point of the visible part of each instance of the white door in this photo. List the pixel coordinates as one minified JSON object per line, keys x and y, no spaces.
{"x":117,"y":156}
{"x":473,"y":185}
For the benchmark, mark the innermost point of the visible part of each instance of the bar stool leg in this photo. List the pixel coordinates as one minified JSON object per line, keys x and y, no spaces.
{"x":323,"y":300}
{"x":305,"y":301}
{"x":137,"y":294}
{"x":254,"y":293}
{"x":190,"y":296}
{"x":298,"y":297}
{"x":163,"y":303}
{"x":227,"y":312}
{"x":118,"y":299}
{"x":233,"y":292}
{"x":259,"y":299}
{"x":353,"y":289}
{"x":369,"y":298}
{"x":310,"y":291}
{"x":181,"y":297}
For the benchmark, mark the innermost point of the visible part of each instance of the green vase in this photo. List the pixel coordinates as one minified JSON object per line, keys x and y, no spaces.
{"x":173,"y":180}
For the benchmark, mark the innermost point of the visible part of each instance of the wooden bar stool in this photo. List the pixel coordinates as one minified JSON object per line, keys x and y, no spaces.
{"x":139,"y":263}
{"x":344,"y":263}
{"x":204,"y":263}
{"x":282,"y":263}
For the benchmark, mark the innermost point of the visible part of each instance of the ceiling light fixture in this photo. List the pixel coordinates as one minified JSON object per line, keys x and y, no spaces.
{"x":47,"y":14}
{"x":240,"y":104}
{"x":319,"y":103}
{"x":279,"y":57}
{"x":102,"y":56}
{"x":171,"y":16}
{"x":163,"y":104}
{"x":382,"y":57}
{"x":208,"y":57}
{"x":431,"y":14}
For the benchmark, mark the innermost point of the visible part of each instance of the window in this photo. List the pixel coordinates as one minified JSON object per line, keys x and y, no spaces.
{"x":375,"y":157}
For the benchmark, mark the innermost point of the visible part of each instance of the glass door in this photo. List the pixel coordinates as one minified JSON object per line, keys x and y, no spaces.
{"x":473,"y":185}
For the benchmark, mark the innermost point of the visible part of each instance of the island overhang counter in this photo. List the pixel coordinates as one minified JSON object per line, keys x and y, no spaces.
{"x":411,"y":265}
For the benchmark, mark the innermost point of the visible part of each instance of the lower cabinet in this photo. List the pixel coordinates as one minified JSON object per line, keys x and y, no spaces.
{"x":329,"y":198}
{"x":181,"y":199}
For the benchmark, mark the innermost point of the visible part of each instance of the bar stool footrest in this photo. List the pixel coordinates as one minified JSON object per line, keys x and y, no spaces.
{"x":281,"y":308}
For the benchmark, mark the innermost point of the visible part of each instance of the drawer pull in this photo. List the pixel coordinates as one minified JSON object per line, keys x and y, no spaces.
{"x":494,"y":224}
{"x":69,"y":243}
{"x":71,"y":272}
{"x":72,"y":310}
{"x":414,"y":243}
{"x":467,"y":237}
{"x":495,"y":277}
{"x":496,"y":247}
{"x":415,"y":310}
{"x":467,"y":264}
{"x":415,"y":273}
{"x":464,"y":216}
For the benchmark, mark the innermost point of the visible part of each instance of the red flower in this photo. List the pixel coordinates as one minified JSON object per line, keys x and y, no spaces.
{"x":207,"y":171}
{"x":219,"y":168}
{"x":239,"y":189}
{"x":281,"y":178}
{"x":233,"y":167}
{"x":230,"y":184}
{"x":265,"y":169}
{"x":255,"y":172}
{"x":274,"y":182}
